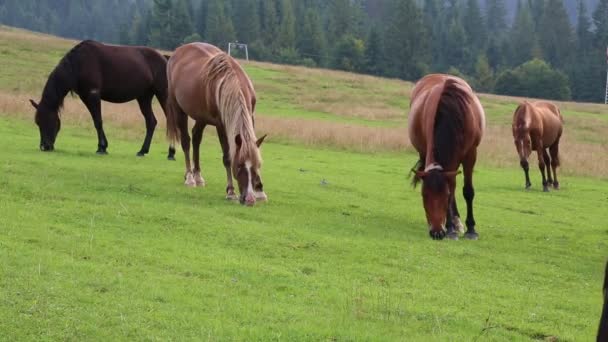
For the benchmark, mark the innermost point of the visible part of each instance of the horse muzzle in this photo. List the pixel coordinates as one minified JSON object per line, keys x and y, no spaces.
{"x":46,"y":147}
{"x":247,"y":199}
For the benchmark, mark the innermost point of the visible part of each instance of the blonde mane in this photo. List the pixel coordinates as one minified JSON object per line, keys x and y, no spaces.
{"x":219,"y":76}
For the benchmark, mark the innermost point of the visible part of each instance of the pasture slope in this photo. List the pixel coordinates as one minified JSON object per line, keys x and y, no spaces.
{"x":114,"y":247}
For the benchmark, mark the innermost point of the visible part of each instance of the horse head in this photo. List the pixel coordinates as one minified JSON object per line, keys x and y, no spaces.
{"x":436,"y":185}
{"x":49,"y":124}
{"x":246,"y":170}
{"x":523,"y":144}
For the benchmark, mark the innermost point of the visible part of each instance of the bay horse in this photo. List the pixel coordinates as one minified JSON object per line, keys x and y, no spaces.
{"x":209,"y":86}
{"x":95,"y":72}
{"x":602,"y":334}
{"x":446,"y":123}
{"x":538,"y":126}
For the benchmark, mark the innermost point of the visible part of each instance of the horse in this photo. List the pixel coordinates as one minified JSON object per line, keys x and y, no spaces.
{"x":95,"y":72}
{"x":602,"y":334}
{"x":209,"y":86}
{"x":538,"y":126}
{"x":446,"y":124}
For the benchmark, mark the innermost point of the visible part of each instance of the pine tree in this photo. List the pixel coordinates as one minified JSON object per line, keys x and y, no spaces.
{"x":586,"y":73}
{"x":458,"y":54}
{"x":219,"y":29}
{"x":555,"y":34}
{"x":474,"y":26}
{"x":600,"y":20}
{"x":311,"y":38}
{"x":246,"y":20}
{"x":287,"y":30}
{"x":404,"y":38}
{"x":496,"y":18}
{"x":522,"y":36}
{"x":340,"y":19}
{"x":374,"y":53}
{"x":160,"y":23}
{"x":269,"y":25}
{"x":181,"y":23}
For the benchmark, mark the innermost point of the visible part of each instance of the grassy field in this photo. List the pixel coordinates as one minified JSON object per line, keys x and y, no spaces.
{"x":115,"y":247}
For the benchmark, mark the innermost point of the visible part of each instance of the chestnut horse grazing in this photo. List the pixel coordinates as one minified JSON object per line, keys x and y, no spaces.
{"x":209,"y":86}
{"x":602,"y":334}
{"x":446,"y":123}
{"x":538,"y":126}
{"x":95,"y":72}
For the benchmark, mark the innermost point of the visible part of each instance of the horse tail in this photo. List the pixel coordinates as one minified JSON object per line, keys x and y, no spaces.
{"x":172,"y":112}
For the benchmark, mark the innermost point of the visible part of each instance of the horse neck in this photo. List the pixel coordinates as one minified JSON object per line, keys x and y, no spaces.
{"x":237,"y":118}
{"x":55,"y":90}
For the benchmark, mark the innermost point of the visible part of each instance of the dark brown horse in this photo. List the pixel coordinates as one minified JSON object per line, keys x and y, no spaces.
{"x":210,"y":87}
{"x":538,"y":126}
{"x":602,"y":334}
{"x":95,"y":72}
{"x":446,"y":124}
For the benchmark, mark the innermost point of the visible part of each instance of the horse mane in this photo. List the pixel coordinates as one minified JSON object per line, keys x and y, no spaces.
{"x":448,"y":129}
{"x":220,"y":75}
{"x":522,"y":115}
{"x":62,"y":79}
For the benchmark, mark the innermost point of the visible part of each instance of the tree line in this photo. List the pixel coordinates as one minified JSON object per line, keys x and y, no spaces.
{"x":536,"y":52}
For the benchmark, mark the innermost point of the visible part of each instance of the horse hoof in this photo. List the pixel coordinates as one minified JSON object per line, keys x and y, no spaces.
{"x":140,"y":154}
{"x":171,"y":158}
{"x":452,"y":236}
{"x":231,"y":197}
{"x":201,"y":183}
{"x":471,"y":236}
{"x":528,"y":186}
{"x":458,"y":225}
{"x":556,"y":186}
{"x":437,"y":235}
{"x":102,"y":153}
{"x":545,"y":189}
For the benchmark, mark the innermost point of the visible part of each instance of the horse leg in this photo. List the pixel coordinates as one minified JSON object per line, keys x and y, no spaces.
{"x":554,"y":150}
{"x":451,"y":231}
{"x":93,"y":103}
{"x":548,"y":161}
{"x":160,"y":92}
{"x":182,"y":123}
{"x":230,"y":195}
{"x":541,"y":163}
{"x":197,"y":137}
{"x":145,"y":106}
{"x":457,"y":223}
{"x":469,"y":193}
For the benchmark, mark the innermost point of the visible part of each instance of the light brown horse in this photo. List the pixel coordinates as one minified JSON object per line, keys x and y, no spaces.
{"x":210,"y":87}
{"x":538,"y":126}
{"x":446,"y":124}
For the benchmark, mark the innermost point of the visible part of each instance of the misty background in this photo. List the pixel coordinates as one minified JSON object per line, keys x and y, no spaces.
{"x":552,"y":49}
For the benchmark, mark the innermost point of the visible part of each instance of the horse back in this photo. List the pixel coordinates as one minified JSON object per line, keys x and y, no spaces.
{"x":550,"y":120}
{"x":425,"y":98}
{"x":195,"y":93}
{"x":120,"y":73}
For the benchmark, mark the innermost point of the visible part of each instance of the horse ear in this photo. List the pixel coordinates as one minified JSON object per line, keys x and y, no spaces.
{"x":34,"y":104}
{"x":261,"y":140}
{"x":238,"y":140}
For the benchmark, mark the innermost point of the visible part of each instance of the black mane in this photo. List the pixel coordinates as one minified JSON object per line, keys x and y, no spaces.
{"x":449,"y":123}
{"x":63,"y":79}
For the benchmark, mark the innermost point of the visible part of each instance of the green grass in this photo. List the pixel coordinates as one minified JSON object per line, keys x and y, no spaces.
{"x":115,"y":247}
